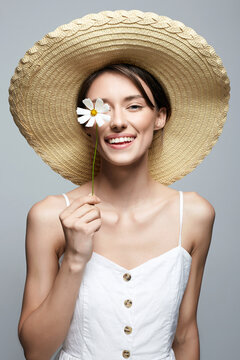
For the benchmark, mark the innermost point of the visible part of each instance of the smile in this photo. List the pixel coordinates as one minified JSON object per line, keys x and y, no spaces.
{"x":120,"y":143}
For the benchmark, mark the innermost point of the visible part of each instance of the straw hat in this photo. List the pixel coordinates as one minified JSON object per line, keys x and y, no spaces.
{"x":44,"y":90}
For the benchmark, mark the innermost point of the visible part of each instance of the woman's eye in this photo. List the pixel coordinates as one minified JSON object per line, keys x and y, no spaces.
{"x":135,"y":106}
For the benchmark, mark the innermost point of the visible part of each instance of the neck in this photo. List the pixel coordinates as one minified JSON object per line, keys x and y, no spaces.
{"x":124,"y":186}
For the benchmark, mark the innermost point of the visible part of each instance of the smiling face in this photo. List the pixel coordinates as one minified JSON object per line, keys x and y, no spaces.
{"x":130,"y":117}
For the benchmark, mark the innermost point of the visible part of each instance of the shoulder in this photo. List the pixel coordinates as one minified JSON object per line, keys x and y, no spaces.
{"x":199,"y":207}
{"x":43,"y":217}
{"x":200,"y":215}
{"x":47,"y":209}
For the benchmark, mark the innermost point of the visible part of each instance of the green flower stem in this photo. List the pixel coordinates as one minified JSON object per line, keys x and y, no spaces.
{"x":95,"y":151}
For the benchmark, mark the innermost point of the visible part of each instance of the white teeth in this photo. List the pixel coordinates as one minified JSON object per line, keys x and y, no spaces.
{"x":120,"y":140}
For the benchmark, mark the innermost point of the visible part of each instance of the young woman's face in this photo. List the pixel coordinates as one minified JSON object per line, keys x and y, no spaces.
{"x":130,"y":117}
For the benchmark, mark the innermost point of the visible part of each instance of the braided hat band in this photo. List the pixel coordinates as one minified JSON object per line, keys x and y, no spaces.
{"x":44,"y":90}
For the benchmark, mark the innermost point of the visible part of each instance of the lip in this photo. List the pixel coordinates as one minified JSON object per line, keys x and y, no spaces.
{"x":111,"y":136}
{"x":120,"y":146}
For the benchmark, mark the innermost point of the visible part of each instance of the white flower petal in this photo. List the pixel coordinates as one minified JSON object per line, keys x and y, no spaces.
{"x":105,"y":117}
{"x":81,"y":111}
{"x":99,"y":119}
{"x":99,"y":105}
{"x":88,"y":103}
{"x":91,"y":121}
{"x":105,"y":108}
{"x":84,"y":118}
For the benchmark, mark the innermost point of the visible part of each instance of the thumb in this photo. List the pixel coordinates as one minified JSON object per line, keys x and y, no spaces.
{"x":94,"y":195}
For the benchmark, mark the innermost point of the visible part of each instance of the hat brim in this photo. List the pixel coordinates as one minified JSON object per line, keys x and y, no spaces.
{"x":44,"y":90}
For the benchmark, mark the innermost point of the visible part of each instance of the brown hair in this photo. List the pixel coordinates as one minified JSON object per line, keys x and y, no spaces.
{"x":131,"y":72}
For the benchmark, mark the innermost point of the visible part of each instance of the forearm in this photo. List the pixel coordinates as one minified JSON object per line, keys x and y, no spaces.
{"x":189,"y":347}
{"x":46,"y":328}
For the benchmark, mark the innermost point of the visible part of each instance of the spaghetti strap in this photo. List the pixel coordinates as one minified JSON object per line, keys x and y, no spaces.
{"x":181,"y":217}
{"x":66,"y":198}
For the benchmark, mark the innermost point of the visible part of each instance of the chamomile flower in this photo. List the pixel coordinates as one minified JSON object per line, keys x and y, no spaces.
{"x":92,"y":114}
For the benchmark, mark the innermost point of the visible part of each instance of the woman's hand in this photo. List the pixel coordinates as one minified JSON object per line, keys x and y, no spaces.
{"x":79,"y":221}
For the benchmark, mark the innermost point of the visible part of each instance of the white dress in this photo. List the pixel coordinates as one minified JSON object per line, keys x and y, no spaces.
{"x":128,"y":314}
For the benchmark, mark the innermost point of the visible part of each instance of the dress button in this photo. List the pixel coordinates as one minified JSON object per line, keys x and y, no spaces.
{"x":126,"y":354}
{"x":128,"y":303}
{"x":127,"y":330}
{"x":127,"y":277}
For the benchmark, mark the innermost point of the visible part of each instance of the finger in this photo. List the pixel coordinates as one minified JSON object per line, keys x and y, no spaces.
{"x":91,"y":215}
{"x":77,"y":203}
{"x":81,"y":211}
{"x":94,"y":225}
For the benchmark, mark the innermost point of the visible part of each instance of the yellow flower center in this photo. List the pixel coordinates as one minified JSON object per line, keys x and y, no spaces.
{"x":93,"y":112}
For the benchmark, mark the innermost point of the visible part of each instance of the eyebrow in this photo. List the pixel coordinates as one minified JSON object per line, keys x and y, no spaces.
{"x":127,"y":98}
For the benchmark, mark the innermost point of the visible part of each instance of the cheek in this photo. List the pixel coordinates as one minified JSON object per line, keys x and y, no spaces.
{"x":146,"y":125}
{"x":145,"y":128}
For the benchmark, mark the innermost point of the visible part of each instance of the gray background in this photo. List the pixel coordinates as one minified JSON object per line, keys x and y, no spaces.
{"x":26,"y":179}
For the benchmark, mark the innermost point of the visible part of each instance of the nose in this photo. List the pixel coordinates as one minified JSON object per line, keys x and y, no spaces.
{"x":118,"y":121}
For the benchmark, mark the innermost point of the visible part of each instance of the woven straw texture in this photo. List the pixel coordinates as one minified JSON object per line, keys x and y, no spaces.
{"x":44,"y":89}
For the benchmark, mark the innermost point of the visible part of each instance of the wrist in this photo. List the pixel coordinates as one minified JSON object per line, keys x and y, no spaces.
{"x":74,"y":262}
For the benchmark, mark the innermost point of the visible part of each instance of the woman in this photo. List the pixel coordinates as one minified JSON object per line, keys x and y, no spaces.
{"x":131,"y":272}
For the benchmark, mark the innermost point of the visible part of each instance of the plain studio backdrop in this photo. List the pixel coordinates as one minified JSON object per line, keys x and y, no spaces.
{"x":26,"y":179}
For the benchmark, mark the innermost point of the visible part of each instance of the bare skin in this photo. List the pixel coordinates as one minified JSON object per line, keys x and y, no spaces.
{"x":142,"y":214}
{"x":142,"y":231}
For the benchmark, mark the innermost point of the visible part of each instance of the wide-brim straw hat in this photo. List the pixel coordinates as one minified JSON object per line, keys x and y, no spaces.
{"x":44,"y":90}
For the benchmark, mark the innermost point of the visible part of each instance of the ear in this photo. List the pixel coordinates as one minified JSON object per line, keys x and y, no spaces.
{"x":160,"y":118}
